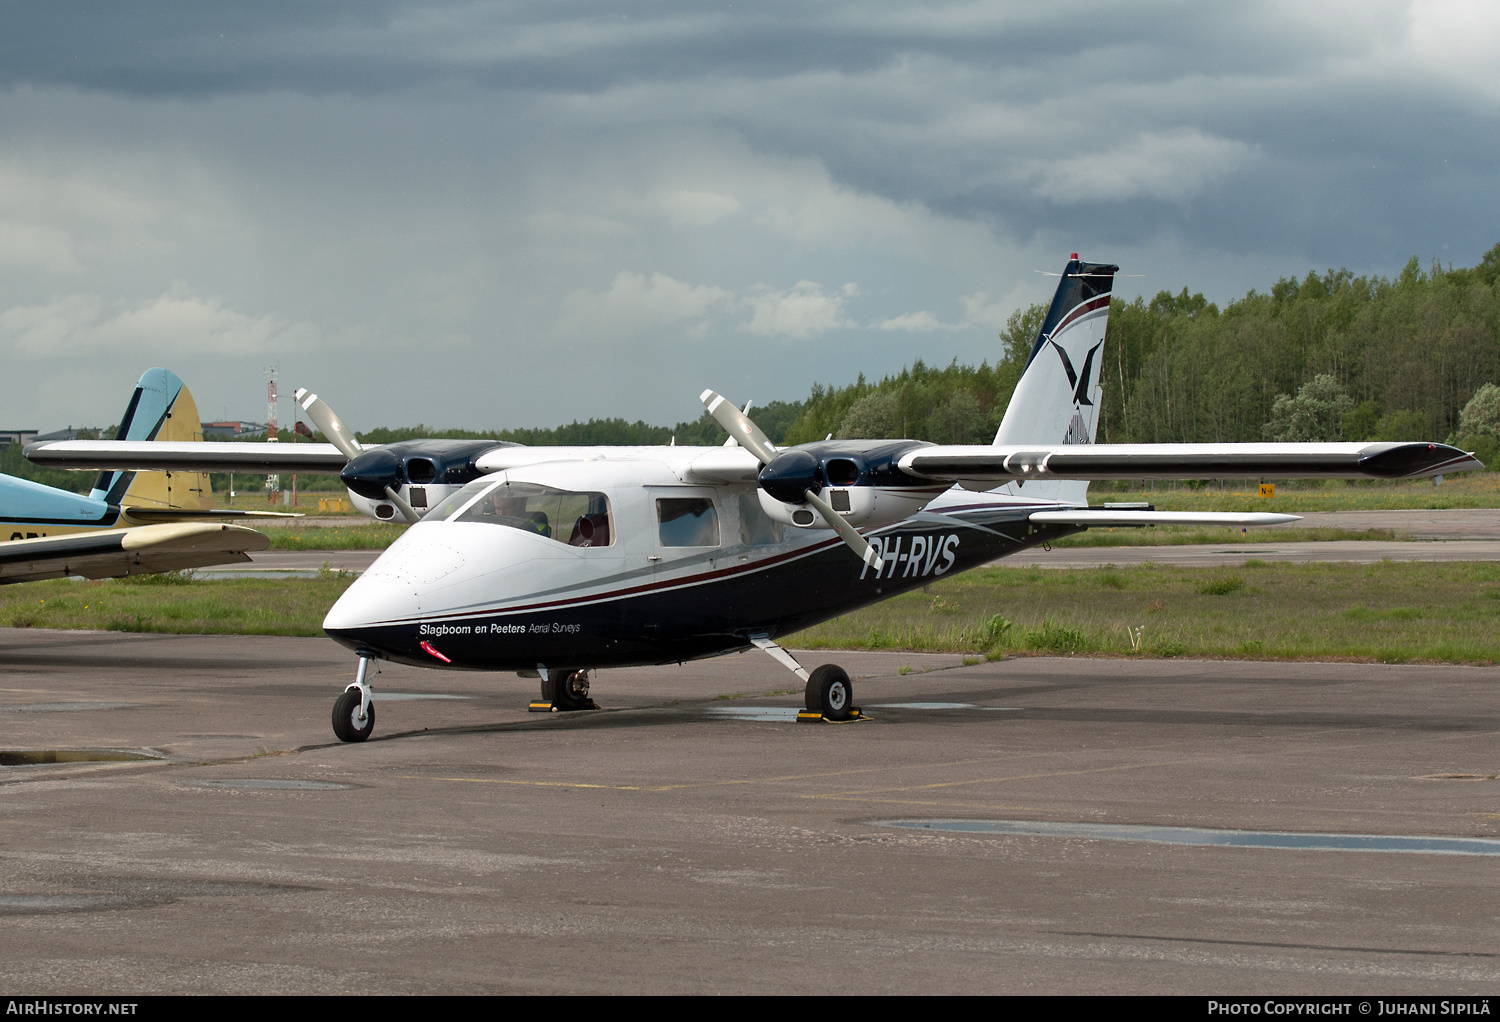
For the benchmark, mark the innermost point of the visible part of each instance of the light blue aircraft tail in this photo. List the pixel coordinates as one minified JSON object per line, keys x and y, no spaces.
{"x":28,"y":509}
{"x":149,"y":410}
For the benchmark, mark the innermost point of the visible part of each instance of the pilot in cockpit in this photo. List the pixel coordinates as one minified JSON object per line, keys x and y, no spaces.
{"x":511,"y":511}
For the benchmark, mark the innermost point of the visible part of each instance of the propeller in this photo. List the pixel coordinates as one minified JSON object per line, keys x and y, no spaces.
{"x":793,"y":478}
{"x":342,"y":437}
{"x":739,"y":426}
{"x":332,"y":426}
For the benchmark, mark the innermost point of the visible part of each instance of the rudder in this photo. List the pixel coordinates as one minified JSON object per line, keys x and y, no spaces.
{"x":1058,"y":397}
{"x":161,"y":408}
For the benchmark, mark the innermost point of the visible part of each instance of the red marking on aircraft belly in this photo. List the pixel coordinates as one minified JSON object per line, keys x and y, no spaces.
{"x":429,"y":648}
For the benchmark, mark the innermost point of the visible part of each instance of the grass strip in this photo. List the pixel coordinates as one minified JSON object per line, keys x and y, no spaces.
{"x":378,"y":536}
{"x":1470,"y":490}
{"x":1387,"y":612}
{"x":1446,"y":612}
{"x":176,"y":603}
{"x":1181,"y":535}
{"x":374,"y":536}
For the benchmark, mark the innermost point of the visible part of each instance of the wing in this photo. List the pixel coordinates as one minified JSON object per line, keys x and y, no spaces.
{"x":141,"y":551}
{"x":1001,"y":464}
{"x":171,"y":456}
{"x":148,"y":515}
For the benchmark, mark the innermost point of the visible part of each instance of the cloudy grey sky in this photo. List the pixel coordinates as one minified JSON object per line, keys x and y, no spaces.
{"x":506,"y":214}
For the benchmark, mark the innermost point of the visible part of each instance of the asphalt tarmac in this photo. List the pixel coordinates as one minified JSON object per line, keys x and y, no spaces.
{"x":690,"y":837}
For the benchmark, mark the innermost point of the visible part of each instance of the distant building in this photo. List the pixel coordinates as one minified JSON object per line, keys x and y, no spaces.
{"x":16,"y":436}
{"x":232,"y":430}
{"x":87,"y":432}
{"x":26,"y":436}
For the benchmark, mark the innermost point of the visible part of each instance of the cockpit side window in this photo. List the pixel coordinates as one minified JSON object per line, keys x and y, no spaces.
{"x":687,"y":521}
{"x":460,"y":499}
{"x":756,"y":527}
{"x":577,"y":518}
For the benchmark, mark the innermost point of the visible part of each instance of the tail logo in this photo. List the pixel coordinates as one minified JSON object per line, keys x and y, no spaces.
{"x":1078,"y":381}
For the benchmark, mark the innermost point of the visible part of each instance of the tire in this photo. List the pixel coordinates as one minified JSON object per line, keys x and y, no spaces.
{"x":570,"y":691}
{"x":830,"y":692}
{"x":345,"y":709}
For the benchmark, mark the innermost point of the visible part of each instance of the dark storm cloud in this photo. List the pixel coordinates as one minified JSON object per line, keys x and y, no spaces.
{"x":1274,"y":128}
{"x":188,"y":49}
{"x":302,"y":176}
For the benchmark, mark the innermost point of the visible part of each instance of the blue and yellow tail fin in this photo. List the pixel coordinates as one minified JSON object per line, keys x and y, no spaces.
{"x":161,"y":408}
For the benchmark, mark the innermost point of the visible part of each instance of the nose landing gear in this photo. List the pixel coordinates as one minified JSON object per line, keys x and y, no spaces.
{"x":829,"y":694}
{"x":354,"y":710}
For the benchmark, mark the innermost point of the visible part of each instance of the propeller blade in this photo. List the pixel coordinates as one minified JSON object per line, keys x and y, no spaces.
{"x":846,"y":532}
{"x":406,"y":509}
{"x":739,"y":426}
{"x":332,"y":426}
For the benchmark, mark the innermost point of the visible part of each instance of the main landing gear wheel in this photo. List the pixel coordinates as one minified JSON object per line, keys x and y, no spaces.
{"x":830,"y":692}
{"x":567,"y":691}
{"x":348,"y":723}
{"x":570,"y":691}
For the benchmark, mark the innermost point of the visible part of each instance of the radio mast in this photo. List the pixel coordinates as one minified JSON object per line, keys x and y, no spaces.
{"x":273,"y":482}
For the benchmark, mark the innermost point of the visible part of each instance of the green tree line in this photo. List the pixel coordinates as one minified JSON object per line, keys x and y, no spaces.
{"x":1325,"y":357}
{"x":1329,"y":356}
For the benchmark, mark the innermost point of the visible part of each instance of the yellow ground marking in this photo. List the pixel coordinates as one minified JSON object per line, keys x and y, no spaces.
{"x":715,"y":784}
{"x":528,"y":784}
{"x":937,"y":802}
{"x":639,"y":787}
{"x":790,"y":777}
{"x":1001,"y":780}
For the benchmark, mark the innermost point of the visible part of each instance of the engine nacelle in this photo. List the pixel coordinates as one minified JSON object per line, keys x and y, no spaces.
{"x":421,"y":498}
{"x":858,"y":505}
{"x":423,"y":472}
{"x":860,"y":479}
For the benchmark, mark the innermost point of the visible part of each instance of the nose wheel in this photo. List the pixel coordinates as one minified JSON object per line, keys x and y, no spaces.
{"x":830,"y":694}
{"x":354,"y":709}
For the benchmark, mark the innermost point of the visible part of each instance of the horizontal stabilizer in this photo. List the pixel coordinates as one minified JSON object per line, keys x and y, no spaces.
{"x":170,"y":456}
{"x":988,"y":465}
{"x":146,"y":550}
{"x":1126,"y":519}
{"x":157,"y":515}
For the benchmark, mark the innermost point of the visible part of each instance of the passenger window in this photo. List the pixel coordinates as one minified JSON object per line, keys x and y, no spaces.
{"x":571,"y":517}
{"x":756,"y":527}
{"x":687,"y":521}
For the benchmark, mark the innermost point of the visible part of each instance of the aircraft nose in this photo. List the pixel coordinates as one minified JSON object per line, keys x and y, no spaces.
{"x":371,"y":602}
{"x":381,"y":610}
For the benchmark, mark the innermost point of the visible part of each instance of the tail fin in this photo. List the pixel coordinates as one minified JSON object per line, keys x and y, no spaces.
{"x":160,"y":409}
{"x":1057,"y":400}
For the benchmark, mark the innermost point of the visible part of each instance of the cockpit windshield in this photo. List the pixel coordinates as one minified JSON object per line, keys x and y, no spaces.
{"x":567,"y":516}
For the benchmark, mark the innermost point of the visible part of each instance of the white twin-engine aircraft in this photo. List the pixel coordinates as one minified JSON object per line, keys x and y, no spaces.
{"x":552,"y":562}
